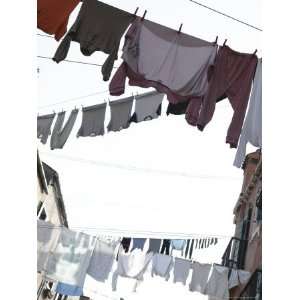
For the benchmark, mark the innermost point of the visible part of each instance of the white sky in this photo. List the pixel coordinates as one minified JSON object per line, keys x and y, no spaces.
{"x":100,"y":192}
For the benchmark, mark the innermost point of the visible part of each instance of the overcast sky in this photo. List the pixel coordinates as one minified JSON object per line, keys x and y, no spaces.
{"x":162,"y":175}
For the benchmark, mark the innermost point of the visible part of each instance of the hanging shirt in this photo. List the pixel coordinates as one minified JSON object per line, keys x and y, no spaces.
{"x":69,"y":290}
{"x":92,"y":120}
{"x":252,"y":128}
{"x":132,"y":265}
{"x":157,"y":56}
{"x":102,"y":260}
{"x":178,"y":245}
{"x":126,"y":244}
{"x":120,"y":114}
{"x":138,"y":243}
{"x":69,"y":261}
{"x":154,"y":245}
{"x":47,"y":239}
{"x":98,"y":27}
{"x":44,"y":124}
{"x":233,"y":75}
{"x":61,"y":134}
{"x":53,"y":16}
{"x":199,"y":277}
{"x":181,"y":270}
{"x":147,"y":106}
{"x":162,"y":265}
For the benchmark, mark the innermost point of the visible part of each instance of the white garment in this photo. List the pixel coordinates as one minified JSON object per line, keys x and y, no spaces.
{"x":102,"y":260}
{"x":47,"y":238}
{"x":238,"y":277}
{"x":162,"y":265}
{"x":70,"y":259}
{"x":132,"y":265}
{"x":217,"y":284}
{"x":181,"y":270}
{"x":252,"y":128}
{"x":199,"y":277}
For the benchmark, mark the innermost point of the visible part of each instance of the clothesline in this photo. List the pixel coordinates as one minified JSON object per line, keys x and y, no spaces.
{"x":140,"y":169}
{"x":226,"y":15}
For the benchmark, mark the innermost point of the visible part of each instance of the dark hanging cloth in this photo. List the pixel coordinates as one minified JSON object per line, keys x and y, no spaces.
{"x":60,"y":134}
{"x":177,"y":108}
{"x":203,"y":243}
{"x":44,"y":127}
{"x":199,"y":243}
{"x":187,"y":248}
{"x":98,"y":27}
{"x":53,"y":16}
{"x":126,"y":243}
{"x":154,"y":245}
{"x":92,"y":120}
{"x":191,"y":249}
{"x":138,"y":243}
{"x":233,"y":75}
{"x":216,"y":241}
{"x":120,"y":114}
{"x":147,"y":106}
{"x":165,"y":249}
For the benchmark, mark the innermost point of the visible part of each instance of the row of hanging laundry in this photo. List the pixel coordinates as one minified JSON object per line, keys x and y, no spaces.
{"x":194,"y":74}
{"x":66,"y":257}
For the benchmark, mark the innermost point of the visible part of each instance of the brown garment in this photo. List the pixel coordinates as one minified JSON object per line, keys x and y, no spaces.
{"x":233,"y":75}
{"x":53,"y":16}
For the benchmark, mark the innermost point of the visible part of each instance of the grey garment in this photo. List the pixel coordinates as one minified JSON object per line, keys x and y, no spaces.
{"x":92,"y":120}
{"x":181,"y":270}
{"x":102,"y":260}
{"x":120,"y":114}
{"x":180,"y":62}
{"x":138,"y":243}
{"x":252,"y":128}
{"x":44,"y":127}
{"x":98,"y":27}
{"x":61,"y":134}
{"x":147,"y":106}
{"x":200,"y":277}
{"x":162,"y":265}
{"x":154,"y":245}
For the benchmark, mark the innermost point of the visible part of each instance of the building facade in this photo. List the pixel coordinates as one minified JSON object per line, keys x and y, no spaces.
{"x":244,"y":250}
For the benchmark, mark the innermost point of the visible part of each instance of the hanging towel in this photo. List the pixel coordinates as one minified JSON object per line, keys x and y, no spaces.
{"x":162,"y":265}
{"x":233,"y":75}
{"x":157,"y":56}
{"x":68,"y":289}
{"x":60,"y":135}
{"x":147,"y":106}
{"x":181,"y":270}
{"x":53,"y":16}
{"x":154,"y":245}
{"x":102,"y":260}
{"x":132,"y":265}
{"x":44,"y":124}
{"x":165,"y":248}
{"x":178,"y":245}
{"x":69,"y":261}
{"x":238,"y":277}
{"x":92,"y":120}
{"x":252,"y":128}
{"x":47,"y":239}
{"x":199,"y":277}
{"x":98,"y":27}
{"x":120,"y":114}
{"x":138,"y":243}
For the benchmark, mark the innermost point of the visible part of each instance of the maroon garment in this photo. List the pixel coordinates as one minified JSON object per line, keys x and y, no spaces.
{"x":233,"y":75}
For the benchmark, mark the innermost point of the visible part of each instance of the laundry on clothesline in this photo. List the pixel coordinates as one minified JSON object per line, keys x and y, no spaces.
{"x":44,"y":127}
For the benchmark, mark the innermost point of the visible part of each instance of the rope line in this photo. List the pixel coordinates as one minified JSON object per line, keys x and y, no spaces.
{"x":225,"y":15}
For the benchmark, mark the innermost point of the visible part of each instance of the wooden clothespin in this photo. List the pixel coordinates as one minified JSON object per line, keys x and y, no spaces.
{"x":255,"y":52}
{"x":179,"y":30}
{"x":143,"y":17}
{"x":136,"y":10}
{"x":225,"y":42}
{"x":216,"y":41}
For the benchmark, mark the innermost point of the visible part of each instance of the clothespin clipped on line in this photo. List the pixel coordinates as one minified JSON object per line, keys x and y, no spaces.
{"x":225,"y":42}
{"x":136,"y":10}
{"x":179,"y":30}
{"x":143,"y":17}
{"x":216,"y":41}
{"x":255,"y":52}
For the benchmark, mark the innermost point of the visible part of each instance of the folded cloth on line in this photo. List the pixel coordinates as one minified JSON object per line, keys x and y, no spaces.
{"x":69,"y":290}
{"x":44,"y":124}
{"x":53,"y":16}
{"x":252,"y":128}
{"x":98,"y":27}
{"x":69,"y":261}
{"x":60,"y":134}
{"x":162,"y":265}
{"x":102,"y":260}
{"x":92,"y":120}
{"x":131,"y":265}
{"x":181,"y":270}
{"x":47,"y":239}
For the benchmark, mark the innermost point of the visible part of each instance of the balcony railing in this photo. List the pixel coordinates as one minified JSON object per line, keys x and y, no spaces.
{"x":253,"y":289}
{"x":234,"y":255}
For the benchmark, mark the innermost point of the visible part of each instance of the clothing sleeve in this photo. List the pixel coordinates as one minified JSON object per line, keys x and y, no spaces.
{"x":117,"y":84}
{"x":109,"y":64}
{"x":63,"y":49}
